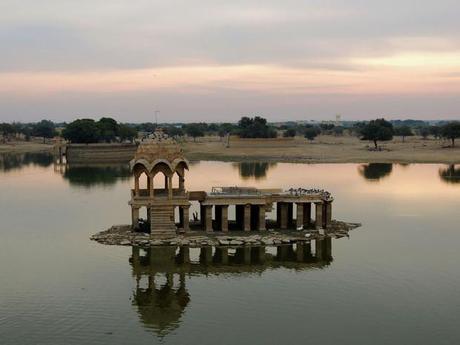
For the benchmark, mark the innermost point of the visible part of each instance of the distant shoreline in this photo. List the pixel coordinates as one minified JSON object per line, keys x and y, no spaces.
{"x":325,"y":149}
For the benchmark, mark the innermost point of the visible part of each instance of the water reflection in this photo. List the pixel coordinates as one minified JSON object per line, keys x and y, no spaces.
{"x":256,"y":170}
{"x":89,"y":176}
{"x":161,"y":296}
{"x":451,"y":174}
{"x":375,"y":171}
{"x":14,"y":161}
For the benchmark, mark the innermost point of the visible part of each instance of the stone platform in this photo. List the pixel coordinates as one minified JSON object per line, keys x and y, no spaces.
{"x":122,"y":235}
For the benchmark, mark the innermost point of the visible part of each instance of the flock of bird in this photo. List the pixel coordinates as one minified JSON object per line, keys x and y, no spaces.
{"x":312,"y":191}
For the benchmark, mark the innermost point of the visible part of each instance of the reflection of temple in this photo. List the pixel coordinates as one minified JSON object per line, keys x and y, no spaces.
{"x":161,"y":295}
{"x":162,"y":156}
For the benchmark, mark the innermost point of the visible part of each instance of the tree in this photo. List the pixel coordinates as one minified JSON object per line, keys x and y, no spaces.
{"x":435,"y":131}
{"x":108,"y":129}
{"x":338,"y":131}
{"x":126,"y":132}
{"x":44,"y":129}
{"x":290,"y":133}
{"x":174,"y":131}
{"x":256,"y":127}
{"x":424,"y":132}
{"x":194,"y":130}
{"x":82,"y":131}
{"x":403,"y":131}
{"x":451,"y":131}
{"x":6,"y":129}
{"x":311,"y":133}
{"x":377,"y":130}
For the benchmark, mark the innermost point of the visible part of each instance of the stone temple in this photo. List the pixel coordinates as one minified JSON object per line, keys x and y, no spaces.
{"x":168,"y":207}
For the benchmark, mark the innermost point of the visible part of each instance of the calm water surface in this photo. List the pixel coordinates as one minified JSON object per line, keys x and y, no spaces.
{"x":396,"y":280}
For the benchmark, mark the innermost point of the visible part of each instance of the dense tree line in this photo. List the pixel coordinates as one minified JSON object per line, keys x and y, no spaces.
{"x":44,"y":129}
{"x":105,"y":130}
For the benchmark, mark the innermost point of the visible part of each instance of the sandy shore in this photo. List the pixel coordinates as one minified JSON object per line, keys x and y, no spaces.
{"x":325,"y":149}
{"x":25,"y":146}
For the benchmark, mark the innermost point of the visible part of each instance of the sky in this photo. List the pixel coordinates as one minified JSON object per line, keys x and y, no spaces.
{"x":215,"y":60}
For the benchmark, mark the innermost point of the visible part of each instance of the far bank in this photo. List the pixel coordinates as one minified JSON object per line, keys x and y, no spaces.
{"x":324,"y":149}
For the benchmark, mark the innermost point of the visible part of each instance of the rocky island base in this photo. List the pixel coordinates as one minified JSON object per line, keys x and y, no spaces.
{"x":122,"y":235}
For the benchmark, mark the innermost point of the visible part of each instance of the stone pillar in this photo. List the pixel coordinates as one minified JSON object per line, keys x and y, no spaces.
{"x":262,"y":225}
{"x":149,"y":215}
{"x":319,"y":215}
{"x":166,"y":182}
{"x":224,"y":218}
{"x":136,"y":185}
{"x":208,"y":218}
{"x":290,"y":213}
{"x":283,"y":216}
{"x":247,"y":217}
{"x":134,"y":217}
{"x":170,"y":188}
{"x":151,"y":187}
{"x":299,"y":219}
{"x":307,"y":213}
{"x":181,"y":183}
{"x":186,"y":220}
{"x":328,"y":207}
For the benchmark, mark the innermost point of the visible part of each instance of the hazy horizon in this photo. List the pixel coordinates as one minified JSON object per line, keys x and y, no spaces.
{"x":216,"y":61}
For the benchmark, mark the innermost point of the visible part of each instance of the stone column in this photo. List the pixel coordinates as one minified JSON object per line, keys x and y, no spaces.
{"x":186,"y":215}
{"x":181,"y":183}
{"x":151,"y":187}
{"x":299,"y":219}
{"x":224,"y":218}
{"x":319,"y":215}
{"x":208,"y":218}
{"x":262,"y":225}
{"x":306,"y":213}
{"x":283,"y":216}
{"x":149,"y":215}
{"x":136,"y":185}
{"x":328,"y":213}
{"x":247,"y":218}
{"x":290,"y":213}
{"x":170,"y":188}
{"x":134,"y":217}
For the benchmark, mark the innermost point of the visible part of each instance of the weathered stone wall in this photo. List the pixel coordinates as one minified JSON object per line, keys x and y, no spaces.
{"x":100,"y":153}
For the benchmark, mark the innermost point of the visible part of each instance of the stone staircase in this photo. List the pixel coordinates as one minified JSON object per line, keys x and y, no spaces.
{"x":162,"y":221}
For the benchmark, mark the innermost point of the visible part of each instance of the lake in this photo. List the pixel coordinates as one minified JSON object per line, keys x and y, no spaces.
{"x":396,"y":280}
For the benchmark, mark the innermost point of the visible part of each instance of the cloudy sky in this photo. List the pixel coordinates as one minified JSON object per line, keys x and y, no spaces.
{"x":215,"y":60}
